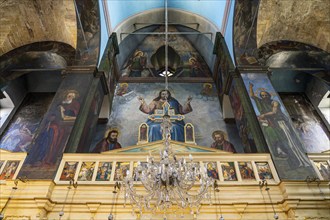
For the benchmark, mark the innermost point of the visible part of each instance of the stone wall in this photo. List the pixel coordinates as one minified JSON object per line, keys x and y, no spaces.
{"x":304,"y":21}
{"x":26,"y":21}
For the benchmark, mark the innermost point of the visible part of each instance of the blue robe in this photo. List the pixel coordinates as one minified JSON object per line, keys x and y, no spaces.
{"x":177,"y":132}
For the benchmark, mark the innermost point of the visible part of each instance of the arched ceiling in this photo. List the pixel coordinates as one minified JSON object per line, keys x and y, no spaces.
{"x":304,"y":21}
{"x":24,"y":22}
{"x":212,"y":10}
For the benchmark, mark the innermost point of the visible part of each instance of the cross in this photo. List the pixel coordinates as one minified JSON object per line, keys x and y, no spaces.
{"x":159,"y":114}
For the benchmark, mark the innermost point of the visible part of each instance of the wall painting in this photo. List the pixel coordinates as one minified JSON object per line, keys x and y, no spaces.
{"x":246,"y":171}
{"x":23,"y":127}
{"x":69,"y":171}
{"x":310,"y":127}
{"x":286,"y":148}
{"x":184,"y":60}
{"x":86,"y":171}
{"x":212,"y":170}
{"x":9,"y":170}
{"x":228,"y":171}
{"x":264,"y":171}
{"x":55,"y":128}
{"x":142,"y":103}
{"x":104,"y":171}
{"x":121,"y":171}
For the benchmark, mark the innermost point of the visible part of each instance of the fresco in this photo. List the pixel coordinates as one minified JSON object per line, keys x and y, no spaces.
{"x":241,"y":121}
{"x":324,"y":169}
{"x":121,"y":171}
{"x":136,"y":107}
{"x":245,"y":29}
{"x":104,"y":171}
{"x":221,"y":141}
{"x":108,"y":63}
{"x":91,"y":121}
{"x":184,"y":60}
{"x":307,"y":122}
{"x":88,"y":33}
{"x":283,"y":142}
{"x":9,"y":170}
{"x":20,"y":132}
{"x":69,"y":171}
{"x":109,"y":142}
{"x":246,"y":171}
{"x":212,"y":170}
{"x":86,"y":171}
{"x":228,"y":171}
{"x":264,"y":171}
{"x":55,"y":128}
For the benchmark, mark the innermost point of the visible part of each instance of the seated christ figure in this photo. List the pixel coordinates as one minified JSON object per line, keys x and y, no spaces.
{"x":165,"y":103}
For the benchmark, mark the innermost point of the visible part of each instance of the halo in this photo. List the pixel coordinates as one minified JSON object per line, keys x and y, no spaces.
{"x":138,"y":52}
{"x":225,"y":135}
{"x":70,"y":91}
{"x":191,"y":59}
{"x":257,"y":91}
{"x":207,"y":84}
{"x":109,"y":130}
{"x":123,"y":84}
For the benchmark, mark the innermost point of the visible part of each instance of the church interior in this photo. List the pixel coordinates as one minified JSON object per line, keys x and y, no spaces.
{"x":164,"y":109}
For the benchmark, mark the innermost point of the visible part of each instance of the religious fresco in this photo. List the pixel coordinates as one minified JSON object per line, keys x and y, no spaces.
{"x":121,"y":171}
{"x":68,"y":171}
{"x":324,"y":169}
{"x":86,"y":171}
{"x":104,"y":171}
{"x":264,"y":171}
{"x":20,"y":132}
{"x":91,"y":121}
{"x":184,"y":60}
{"x":223,"y":66}
{"x":212,"y":170}
{"x":245,"y":29}
{"x":108,"y":63}
{"x":228,"y":171}
{"x":241,"y":121}
{"x":186,"y":103}
{"x":55,"y":128}
{"x":246,"y":171}
{"x":308,"y":124}
{"x":88,"y":32}
{"x":283,"y":142}
{"x":9,"y":170}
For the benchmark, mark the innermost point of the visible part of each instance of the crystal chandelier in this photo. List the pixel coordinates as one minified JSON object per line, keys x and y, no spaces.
{"x":169,"y":182}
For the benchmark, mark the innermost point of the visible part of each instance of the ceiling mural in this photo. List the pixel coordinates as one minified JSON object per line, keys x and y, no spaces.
{"x":148,"y":58}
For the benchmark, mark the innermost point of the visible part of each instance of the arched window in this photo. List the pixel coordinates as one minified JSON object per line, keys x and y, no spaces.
{"x":6,"y":107}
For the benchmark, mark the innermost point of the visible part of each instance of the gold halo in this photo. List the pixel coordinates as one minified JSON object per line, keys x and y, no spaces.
{"x":225,"y":135}
{"x":207,"y":84}
{"x":192,"y":59}
{"x":123,"y":84}
{"x":138,"y":52}
{"x":257,"y":91}
{"x":70,"y":91}
{"x":109,"y":130}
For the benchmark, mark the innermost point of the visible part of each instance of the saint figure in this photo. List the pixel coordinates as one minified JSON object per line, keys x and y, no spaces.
{"x":221,"y":143}
{"x":108,"y":143}
{"x":177,"y":131}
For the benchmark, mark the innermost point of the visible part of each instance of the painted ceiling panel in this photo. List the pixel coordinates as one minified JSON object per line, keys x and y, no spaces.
{"x":119,"y":10}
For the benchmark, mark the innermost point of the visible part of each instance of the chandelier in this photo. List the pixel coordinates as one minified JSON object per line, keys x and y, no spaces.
{"x":169,"y":182}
